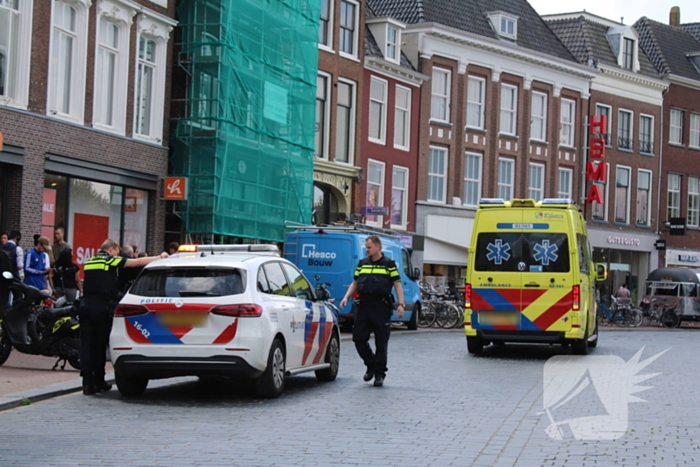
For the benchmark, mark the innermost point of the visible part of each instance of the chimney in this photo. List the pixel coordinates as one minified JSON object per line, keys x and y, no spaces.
{"x":674,"y":18}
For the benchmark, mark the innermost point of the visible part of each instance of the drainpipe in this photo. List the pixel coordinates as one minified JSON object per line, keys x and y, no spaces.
{"x":661,"y":158}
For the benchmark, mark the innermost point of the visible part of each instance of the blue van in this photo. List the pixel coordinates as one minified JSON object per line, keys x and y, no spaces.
{"x":330,"y":254}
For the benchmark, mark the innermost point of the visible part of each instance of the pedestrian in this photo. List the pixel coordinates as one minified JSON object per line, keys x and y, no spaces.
{"x":37,"y":264}
{"x":5,"y":283}
{"x":3,"y":238}
{"x":67,"y":279}
{"x":15,"y":253}
{"x":623,"y":292}
{"x":142,"y":254}
{"x":173,"y":247}
{"x":100,"y":294}
{"x":373,"y":280}
{"x":59,"y":243}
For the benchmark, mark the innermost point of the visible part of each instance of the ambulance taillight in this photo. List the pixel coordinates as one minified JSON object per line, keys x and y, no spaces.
{"x":468,"y":296}
{"x":576,"y":298}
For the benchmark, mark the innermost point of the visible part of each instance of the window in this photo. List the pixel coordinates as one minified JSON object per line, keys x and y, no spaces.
{"x":348,"y":27}
{"x":507,"y":26}
{"x":568,"y":118}
{"x":67,"y":60}
{"x":505,"y":178}
{"x":565,"y":189}
{"x":522,"y":255}
{"x":601,"y":109}
{"x":694,"y":131}
{"x":322,"y":113}
{"x":399,"y":197}
{"x":643,"y":197}
{"x":392,"y":35}
{"x":402,"y":118}
{"x":676,"y":127}
{"x":9,"y":38}
{"x":190,"y":282}
{"x":536,"y":187}
{"x":646,"y":134}
{"x":472,"y":179}
{"x":674,"y":196}
{"x":538,"y":117}
{"x":628,"y":54}
{"x":105,"y":71}
{"x":345,"y":122}
{"x":622,"y":194}
{"x":377,"y":110}
{"x":325,"y":30}
{"x":440,"y":101}
{"x":599,"y":209}
{"x":476,"y":95}
{"x":437,"y":174}
{"x":693,"y":198}
{"x":624,"y":130}
{"x":509,"y":102}
{"x":276,"y":280}
{"x":144,"y":86}
{"x":299,"y":286}
{"x":375,"y":189}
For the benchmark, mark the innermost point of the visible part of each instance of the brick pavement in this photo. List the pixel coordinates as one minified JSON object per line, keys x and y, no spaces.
{"x":440,"y":407}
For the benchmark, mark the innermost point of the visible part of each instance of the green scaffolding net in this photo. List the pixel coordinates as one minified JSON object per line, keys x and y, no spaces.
{"x":244,"y":134}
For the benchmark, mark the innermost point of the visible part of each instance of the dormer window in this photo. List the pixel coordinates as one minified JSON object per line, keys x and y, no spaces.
{"x":392,"y":35}
{"x":694,"y":58}
{"x":628,"y":54}
{"x":387,"y":33}
{"x":505,"y":25}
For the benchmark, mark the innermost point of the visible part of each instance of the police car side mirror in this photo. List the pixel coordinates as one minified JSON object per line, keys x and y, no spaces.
{"x":322,"y":294}
{"x":7,"y":275}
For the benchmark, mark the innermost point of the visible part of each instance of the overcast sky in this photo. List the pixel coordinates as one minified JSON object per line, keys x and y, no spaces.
{"x":631,"y":10}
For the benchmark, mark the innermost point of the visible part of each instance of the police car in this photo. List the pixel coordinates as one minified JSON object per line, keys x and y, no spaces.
{"x":238,"y":311}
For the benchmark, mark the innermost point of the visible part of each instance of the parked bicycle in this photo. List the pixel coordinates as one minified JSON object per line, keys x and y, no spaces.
{"x":619,"y":313}
{"x":663,"y":313}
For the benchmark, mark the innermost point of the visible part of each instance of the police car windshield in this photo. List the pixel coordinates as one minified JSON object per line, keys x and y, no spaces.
{"x":189,"y":282}
{"x":522,"y":252}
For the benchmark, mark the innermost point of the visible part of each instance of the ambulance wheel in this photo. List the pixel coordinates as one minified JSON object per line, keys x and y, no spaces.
{"x":413,"y":322}
{"x":130,"y":386}
{"x":594,"y":344}
{"x":332,"y":357}
{"x":580,"y":346}
{"x":271,"y":384}
{"x":474,"y":344}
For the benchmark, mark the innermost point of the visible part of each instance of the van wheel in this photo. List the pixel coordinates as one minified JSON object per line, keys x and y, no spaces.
{"x":413,"y":322}
{"x":474,"y":344}
{"x":580,"y":346}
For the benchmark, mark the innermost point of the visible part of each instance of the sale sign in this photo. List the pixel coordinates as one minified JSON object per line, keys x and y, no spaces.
{"x":48,"y":210}
{"x":90,"y":232}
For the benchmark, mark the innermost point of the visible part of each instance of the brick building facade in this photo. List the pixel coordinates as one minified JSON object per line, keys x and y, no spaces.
{"x":84,"y":117}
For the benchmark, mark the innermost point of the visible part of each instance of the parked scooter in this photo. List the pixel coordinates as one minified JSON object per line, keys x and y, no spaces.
{"x":35,"y":329}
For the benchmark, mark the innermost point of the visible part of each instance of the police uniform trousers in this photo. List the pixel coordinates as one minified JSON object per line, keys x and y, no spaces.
{"x":95,"y":326}
{"x":373,"y":319}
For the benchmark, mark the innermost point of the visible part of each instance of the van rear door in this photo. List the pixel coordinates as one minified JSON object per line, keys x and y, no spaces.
{"x":496,"y":279}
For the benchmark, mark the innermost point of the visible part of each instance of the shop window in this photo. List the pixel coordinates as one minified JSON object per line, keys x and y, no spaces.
{"x":325,"y":205}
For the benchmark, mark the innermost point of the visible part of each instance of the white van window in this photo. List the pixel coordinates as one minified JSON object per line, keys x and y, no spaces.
{"x":522,"y":252}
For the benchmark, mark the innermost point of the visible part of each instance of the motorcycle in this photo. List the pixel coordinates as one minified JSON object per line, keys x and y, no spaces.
{"x":33,"y":328}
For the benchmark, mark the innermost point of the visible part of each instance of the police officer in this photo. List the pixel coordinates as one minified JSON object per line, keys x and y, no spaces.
{"x":100,"y":293}
{"x":374,"y":277}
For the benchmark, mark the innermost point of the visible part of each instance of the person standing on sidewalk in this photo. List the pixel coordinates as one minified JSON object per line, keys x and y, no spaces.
{"x":374,"y":278}
{"x":37,"y":264}
{"x":101,"y":292}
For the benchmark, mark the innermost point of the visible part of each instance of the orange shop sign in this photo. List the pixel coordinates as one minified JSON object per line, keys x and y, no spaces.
{"x":175,"y":188}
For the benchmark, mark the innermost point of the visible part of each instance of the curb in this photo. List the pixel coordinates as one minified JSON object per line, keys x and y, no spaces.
{"x":18,"y":399}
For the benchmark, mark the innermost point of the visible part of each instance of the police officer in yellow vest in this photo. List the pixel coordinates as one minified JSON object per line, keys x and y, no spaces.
{"x":374,"y":277}
{"x":100,"y":294}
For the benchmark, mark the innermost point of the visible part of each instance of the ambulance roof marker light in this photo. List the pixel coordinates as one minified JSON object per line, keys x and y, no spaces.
{"x":492,"y":203}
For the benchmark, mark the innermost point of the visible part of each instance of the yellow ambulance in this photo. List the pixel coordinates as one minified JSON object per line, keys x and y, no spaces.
{"x":530,"y":276}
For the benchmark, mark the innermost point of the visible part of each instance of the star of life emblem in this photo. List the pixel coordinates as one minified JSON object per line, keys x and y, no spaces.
{"x":498,"y":252}
{"x":545,"y":253}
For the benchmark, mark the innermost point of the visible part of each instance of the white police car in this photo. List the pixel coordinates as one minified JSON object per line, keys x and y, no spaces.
{"x":223,"y":310}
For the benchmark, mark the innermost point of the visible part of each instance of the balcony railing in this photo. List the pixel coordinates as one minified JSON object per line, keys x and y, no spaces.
{"x":624,"y":143}
{"x":646,"y":146}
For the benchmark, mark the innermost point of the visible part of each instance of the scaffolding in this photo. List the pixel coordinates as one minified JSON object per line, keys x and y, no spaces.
{"x":244,"y":134}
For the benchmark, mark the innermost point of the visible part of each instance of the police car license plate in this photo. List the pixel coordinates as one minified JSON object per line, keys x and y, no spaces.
{"x":183,"y":319}
{"x":499,"y":318}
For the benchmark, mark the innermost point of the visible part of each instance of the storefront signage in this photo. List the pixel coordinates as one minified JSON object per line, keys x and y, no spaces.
{"x":406,"y":240}
{"x":624,"y":241}
{"x":48,"y":213}
{"x":175,"y":188}
{"x":677,"y":226}
{"x":94,"y":230}
{"x":660,"y":244}
{"x":375,"y":211}
{"x":130,"y":204}
{"x":596,"y":171}
{"x":689,"y":258}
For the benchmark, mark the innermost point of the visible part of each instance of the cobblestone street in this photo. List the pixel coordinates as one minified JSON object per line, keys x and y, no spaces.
{"x":440,"y":406}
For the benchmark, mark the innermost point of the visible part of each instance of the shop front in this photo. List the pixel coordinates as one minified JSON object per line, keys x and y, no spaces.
{"x":629,"y":256}
{"x":11,"y":161}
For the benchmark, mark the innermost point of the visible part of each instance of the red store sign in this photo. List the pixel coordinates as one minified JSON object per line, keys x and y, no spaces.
{"x":596,"y":171}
